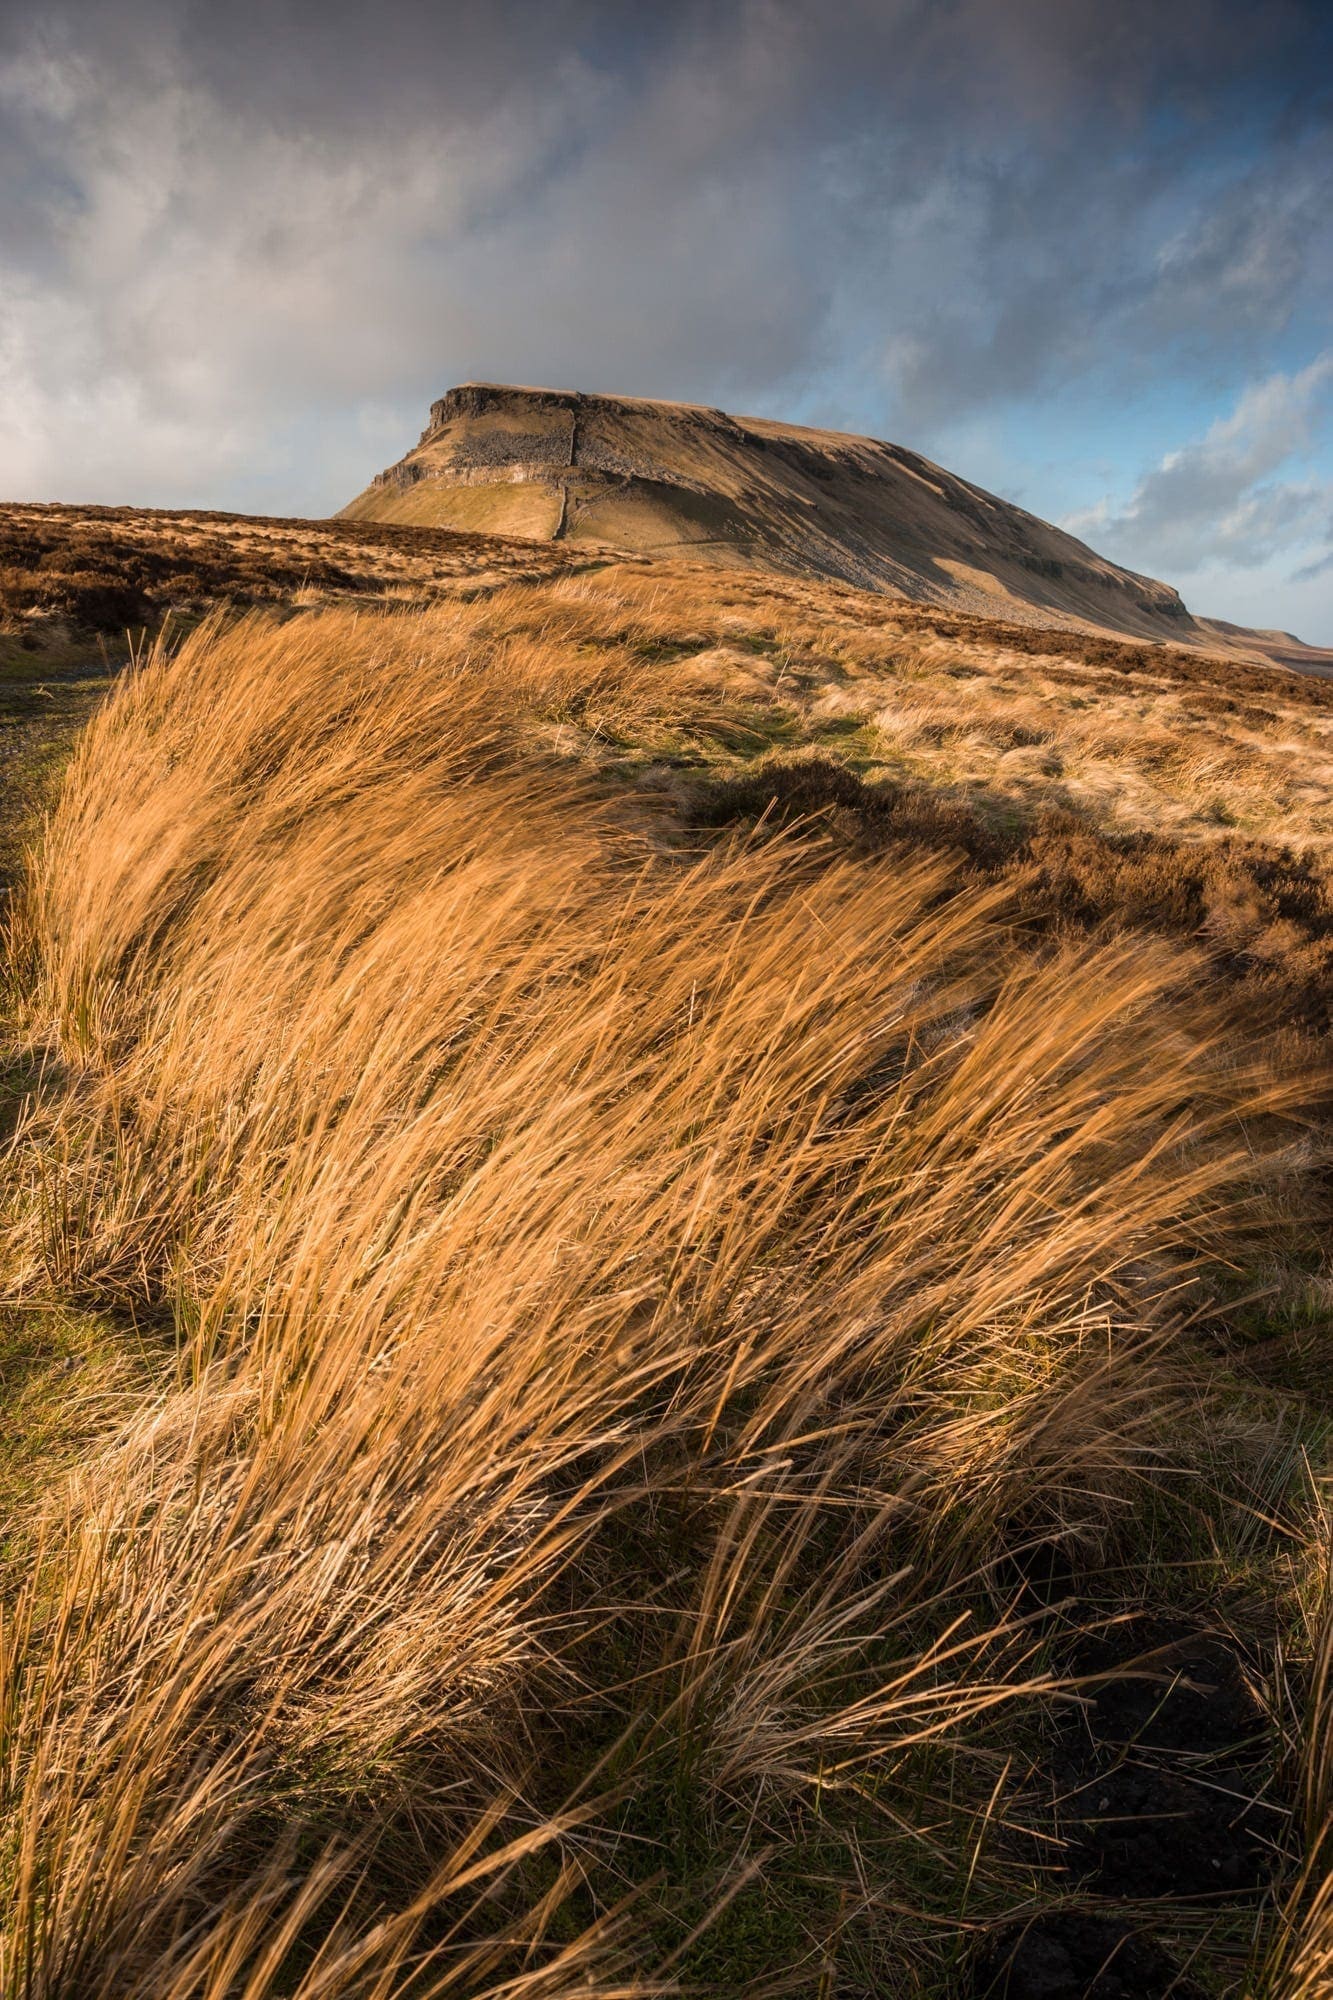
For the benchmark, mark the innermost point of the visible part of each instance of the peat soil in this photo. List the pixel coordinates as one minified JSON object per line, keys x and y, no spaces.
{"x":1162,"y":1773}
{"x":1082,"y":1955}
{"x":1160,"y":1793}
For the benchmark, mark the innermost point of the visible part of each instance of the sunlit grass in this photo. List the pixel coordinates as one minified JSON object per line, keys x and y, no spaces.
{"x":620,"y":1306}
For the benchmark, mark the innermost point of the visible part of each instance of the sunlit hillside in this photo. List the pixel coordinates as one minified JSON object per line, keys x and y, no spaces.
{"x":666,"y":1317}
{"x":593,"y":472}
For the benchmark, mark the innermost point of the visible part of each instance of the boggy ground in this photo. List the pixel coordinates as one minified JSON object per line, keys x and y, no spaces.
{"x":656,"y":1354}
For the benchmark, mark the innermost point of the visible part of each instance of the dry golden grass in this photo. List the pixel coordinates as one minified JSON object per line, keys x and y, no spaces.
{"x":619,"y":1306}
{"x":1134,"y":739}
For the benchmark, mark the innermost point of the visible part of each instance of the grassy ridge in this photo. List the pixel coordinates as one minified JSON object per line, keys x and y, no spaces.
{"x":625,"y":1316}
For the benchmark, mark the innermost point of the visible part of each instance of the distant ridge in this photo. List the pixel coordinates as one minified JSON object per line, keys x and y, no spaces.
{"x":678,"y":479}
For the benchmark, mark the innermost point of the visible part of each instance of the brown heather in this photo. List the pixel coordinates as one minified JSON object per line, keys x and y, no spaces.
{"x":623,"y":1312}
{"x":101,"y":569}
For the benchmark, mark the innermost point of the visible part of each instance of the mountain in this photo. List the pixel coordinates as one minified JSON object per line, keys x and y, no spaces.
{"x":660,"y":478}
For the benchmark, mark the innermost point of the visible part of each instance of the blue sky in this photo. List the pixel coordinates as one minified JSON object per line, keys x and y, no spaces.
{"x":1081,"y":254}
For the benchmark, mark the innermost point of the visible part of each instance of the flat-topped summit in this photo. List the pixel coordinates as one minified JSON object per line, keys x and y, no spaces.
{"x":474,"y":399}
{"x":679,"y":479}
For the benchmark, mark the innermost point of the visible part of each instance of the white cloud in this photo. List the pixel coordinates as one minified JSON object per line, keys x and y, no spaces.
{"x":1218,"y":501}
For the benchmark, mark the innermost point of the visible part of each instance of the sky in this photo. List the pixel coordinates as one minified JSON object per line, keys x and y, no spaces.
{"x":1079,"y":251}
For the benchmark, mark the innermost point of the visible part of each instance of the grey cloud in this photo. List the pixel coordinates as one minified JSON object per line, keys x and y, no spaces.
{"x":246,"y":276}
{"x":1244,"y":259}
{"x":1079,"y":268}
{"x":1309,"y":572}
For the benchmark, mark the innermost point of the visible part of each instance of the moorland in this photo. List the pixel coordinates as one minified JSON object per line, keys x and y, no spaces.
{"x":666,"y":1318}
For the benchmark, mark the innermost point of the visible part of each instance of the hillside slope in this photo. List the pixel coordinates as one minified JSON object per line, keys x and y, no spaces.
{"x":673,"y":479}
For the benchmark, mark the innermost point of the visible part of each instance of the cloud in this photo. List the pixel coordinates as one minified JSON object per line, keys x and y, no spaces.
{"x":1028,"y":273}
{"x":1217,"y":501}
{"x":205,"y":283}
{"x":1309,"y":572}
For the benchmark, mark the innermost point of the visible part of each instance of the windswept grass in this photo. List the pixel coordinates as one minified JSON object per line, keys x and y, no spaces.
{"x":627,"y":1318}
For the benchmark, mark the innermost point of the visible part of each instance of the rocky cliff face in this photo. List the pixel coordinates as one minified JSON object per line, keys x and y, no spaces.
{"x":681,"y":480}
